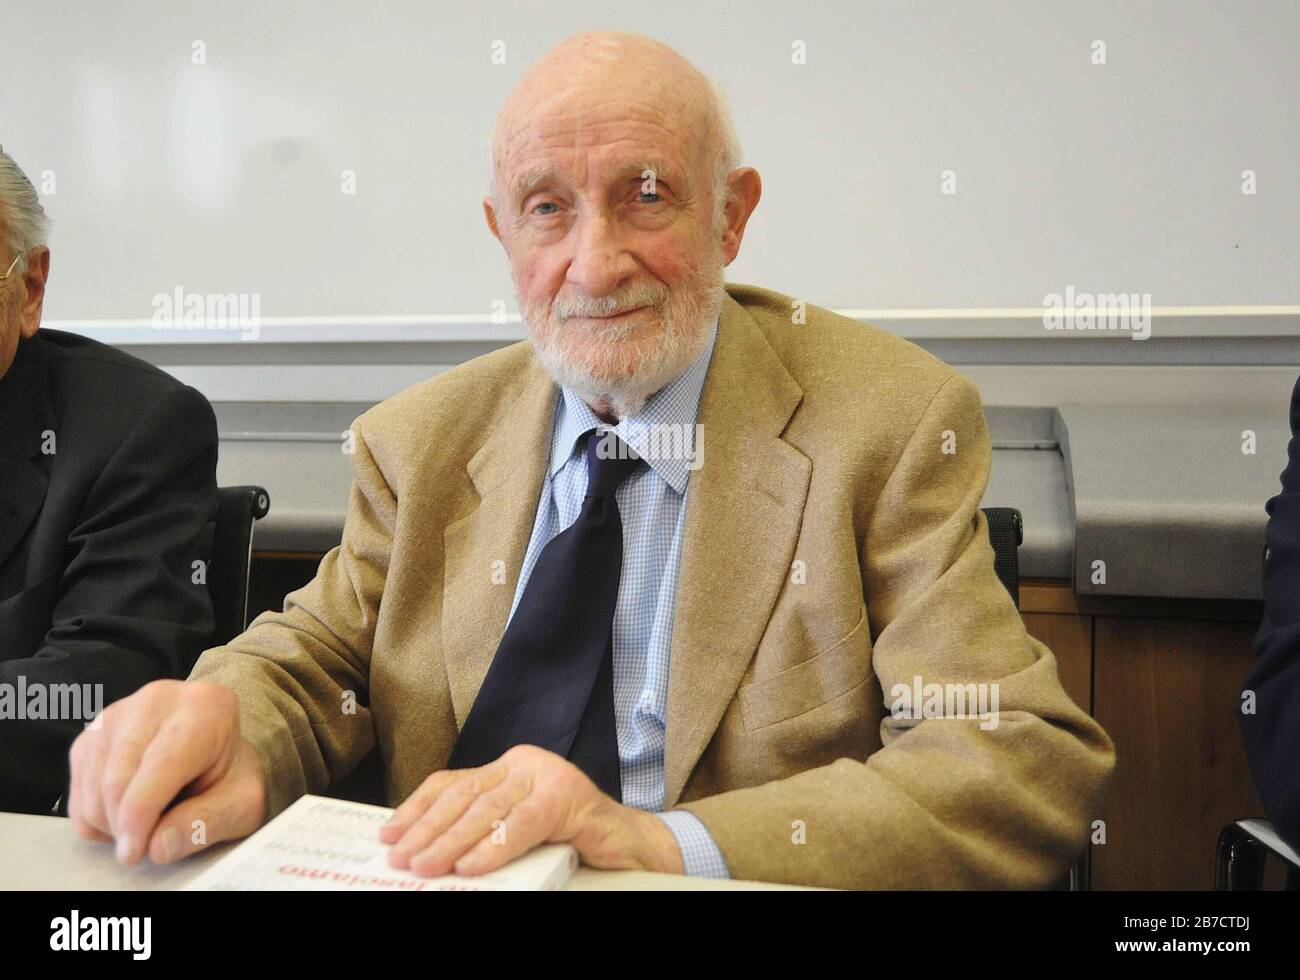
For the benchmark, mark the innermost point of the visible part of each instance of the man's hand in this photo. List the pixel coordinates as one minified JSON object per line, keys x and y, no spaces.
{"x":170,"y":739}
{"x":470,"y":821}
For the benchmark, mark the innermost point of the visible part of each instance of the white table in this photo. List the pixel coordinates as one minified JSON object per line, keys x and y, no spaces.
{"x":43,"y":853}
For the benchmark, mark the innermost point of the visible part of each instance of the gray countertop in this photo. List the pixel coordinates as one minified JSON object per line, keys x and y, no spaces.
{"x":294,"y":450}
{"x":1166,"y":500}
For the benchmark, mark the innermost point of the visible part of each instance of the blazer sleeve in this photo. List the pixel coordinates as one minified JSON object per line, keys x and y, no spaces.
{"x":128,"y":609}
{"x":1272,"y":732}
{"x":301,"y":674}
{"x":944,"y":802}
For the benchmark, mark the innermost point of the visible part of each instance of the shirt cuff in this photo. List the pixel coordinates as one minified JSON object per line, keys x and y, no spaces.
{"x":700,"y":855}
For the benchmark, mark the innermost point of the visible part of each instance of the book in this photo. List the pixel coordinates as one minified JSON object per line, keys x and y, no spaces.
{"x":323,"y":844}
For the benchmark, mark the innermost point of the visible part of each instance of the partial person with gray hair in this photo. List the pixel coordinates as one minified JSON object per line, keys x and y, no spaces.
{"x":657,"y":582}
{"x":107,"y":478}
{"x":24,"y":234}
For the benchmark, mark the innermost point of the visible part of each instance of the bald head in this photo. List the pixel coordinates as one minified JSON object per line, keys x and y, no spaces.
{"x":616,"y":70}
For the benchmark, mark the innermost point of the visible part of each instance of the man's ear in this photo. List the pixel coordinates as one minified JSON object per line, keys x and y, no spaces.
{"x":35,"y":277}
{"x":745,"y":187}
{"x":489,"y":212}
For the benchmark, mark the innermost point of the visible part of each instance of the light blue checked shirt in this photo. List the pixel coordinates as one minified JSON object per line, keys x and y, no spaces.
{"x":652,"y":504}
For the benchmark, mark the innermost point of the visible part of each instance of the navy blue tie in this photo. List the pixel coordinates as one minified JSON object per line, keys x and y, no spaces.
{"x":551,"y":682}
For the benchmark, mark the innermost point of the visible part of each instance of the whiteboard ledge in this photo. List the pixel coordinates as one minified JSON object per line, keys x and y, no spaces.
{"x":1006,"y":323}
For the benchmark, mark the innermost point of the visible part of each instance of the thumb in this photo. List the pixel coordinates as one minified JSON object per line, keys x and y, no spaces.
{"x":225,"y":811}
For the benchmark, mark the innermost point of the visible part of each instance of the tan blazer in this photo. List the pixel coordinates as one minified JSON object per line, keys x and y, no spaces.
{"x":833,"y":548}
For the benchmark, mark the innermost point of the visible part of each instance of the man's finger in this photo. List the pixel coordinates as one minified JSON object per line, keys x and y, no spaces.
{"x":522,"y":829}
{"x":200,"y":821}
{"x":79,"y":826}
{"x":131,"y":736}
{"x":183,"y":751}
{"x":445,"y":810}
{"x":479,"y":821}
{"x":454,"y":800}
{"x":90,"y":802}
{"x":414,"y":806}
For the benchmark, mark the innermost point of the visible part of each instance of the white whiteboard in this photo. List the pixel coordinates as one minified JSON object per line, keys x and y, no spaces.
{"x":226,"y":177}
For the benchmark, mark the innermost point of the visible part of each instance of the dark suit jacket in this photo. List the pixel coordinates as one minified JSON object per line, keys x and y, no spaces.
{"x":107,"y":477}
{"x":1272,"y":734}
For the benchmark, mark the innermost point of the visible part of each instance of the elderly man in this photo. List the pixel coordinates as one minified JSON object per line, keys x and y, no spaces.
{"x":107,"y":476}
{"x":651,"y":583}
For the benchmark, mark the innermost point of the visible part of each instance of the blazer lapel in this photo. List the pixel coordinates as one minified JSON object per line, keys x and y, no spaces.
{"x":507,"y":474}
{"x":744,"y":509}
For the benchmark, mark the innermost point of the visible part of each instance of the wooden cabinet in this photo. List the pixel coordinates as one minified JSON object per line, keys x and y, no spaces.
{"x":1069,"y":636}
{"x":1165,"y":677}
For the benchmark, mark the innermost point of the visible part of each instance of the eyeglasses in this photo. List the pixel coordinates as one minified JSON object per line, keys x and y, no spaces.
{"x":9,"y":271}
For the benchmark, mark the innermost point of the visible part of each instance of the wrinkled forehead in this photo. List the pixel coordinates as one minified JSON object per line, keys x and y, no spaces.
{"x":599,"y":124}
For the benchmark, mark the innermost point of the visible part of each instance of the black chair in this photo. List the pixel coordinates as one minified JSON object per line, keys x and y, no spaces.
{"x":1240,"y":852}
{"x":1006,"y":534}
{"x":227,"y":548}
{"x":1242,"y":847}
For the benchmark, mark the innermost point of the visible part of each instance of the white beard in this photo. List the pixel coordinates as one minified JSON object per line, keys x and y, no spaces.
{"x":618,"y":369}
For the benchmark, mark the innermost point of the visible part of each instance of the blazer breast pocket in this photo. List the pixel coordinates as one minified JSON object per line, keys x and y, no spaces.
{"x":822,"y":678}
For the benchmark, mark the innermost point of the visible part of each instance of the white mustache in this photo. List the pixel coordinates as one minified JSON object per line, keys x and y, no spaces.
{"x":601,"y":308}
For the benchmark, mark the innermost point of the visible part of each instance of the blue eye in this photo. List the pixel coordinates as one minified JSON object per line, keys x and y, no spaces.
{"x":546,"y":204}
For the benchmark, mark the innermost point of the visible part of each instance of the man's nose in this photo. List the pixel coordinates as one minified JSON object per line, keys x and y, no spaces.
{"x":600,"y":259}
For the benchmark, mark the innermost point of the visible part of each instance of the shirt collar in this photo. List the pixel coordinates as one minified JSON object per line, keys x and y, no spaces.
{"x":656,"y":433}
